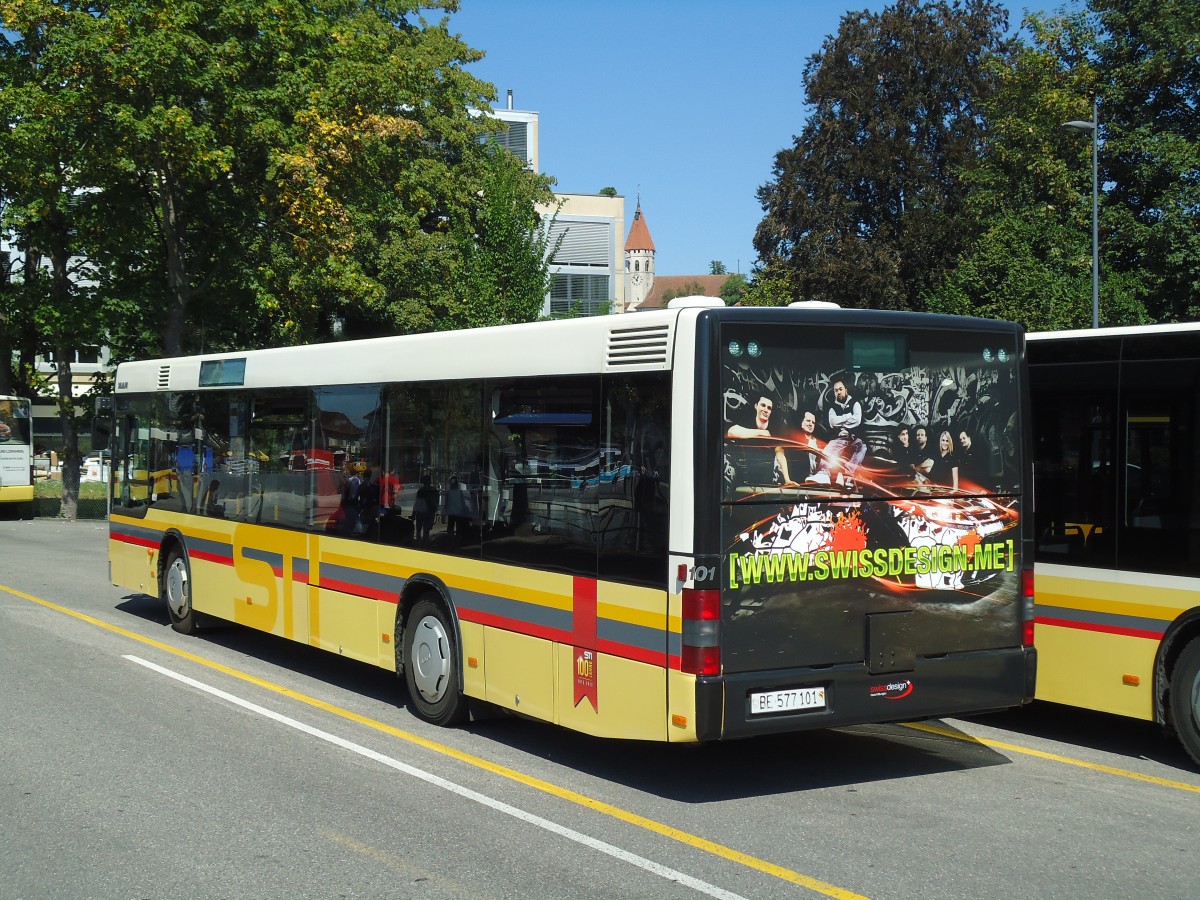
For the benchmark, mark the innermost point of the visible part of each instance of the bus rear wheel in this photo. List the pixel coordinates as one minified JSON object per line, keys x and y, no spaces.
{"x":431,"y":667}
{"x":1185,"y":698}
{"x":177,"y":593}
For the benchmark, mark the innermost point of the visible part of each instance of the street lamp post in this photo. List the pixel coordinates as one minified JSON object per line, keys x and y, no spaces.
{"x":1093,"y":127}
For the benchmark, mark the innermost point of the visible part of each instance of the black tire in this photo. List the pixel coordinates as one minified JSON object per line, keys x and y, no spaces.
{"x":1185,"y":699}
{"x":431,"y":665}
{"x":177,"y":593}
{"x":26,"y":511}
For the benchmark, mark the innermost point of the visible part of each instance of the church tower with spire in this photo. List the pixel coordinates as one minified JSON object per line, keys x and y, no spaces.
{"x":639,"y":260}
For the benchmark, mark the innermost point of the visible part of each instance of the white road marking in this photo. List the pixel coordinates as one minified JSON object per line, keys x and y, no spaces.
{"x":670,"y":874}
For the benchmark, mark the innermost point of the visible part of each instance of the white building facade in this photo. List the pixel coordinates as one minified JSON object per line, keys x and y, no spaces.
{"x":587,"y":268}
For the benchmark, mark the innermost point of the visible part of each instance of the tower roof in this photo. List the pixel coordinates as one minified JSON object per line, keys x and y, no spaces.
{"x":639,"y":235}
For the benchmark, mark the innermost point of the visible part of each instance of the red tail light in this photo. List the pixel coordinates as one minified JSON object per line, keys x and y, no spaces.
{"x":1027,"y":607}
{"x":701,"y":650}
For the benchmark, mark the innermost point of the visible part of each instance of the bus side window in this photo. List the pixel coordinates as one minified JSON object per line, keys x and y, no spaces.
{"x":634,"y":478}
{"x":1161,"y":457}
{"x":1076,"y":460}
{"x":545,"y":472}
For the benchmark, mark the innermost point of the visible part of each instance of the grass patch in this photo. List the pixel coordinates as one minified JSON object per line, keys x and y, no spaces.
{"x":88,"y":490}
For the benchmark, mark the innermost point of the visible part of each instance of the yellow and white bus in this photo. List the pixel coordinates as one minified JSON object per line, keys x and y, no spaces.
{"x":1116,"y":417}
{"x":594,"y":522}
{"x":16,"y":455}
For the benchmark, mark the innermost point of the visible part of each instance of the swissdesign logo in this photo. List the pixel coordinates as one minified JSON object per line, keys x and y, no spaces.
{"x":896,"y":690}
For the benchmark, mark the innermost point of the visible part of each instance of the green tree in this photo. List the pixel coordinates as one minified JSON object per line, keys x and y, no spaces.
{"x":608,"y":192}
{"x":504,"y":274}
{"x":769,"y":287}
{"x":1148,"y":55}
{"x":1027,"y":247}
{"x":48,"y":166}
{"x":244,"y":172}
{"x":733,"y":289}
{"x":271,"y":165}
{"x":1029,"y":257}
{"x":716,"y":267}
{"x":867,"y":207}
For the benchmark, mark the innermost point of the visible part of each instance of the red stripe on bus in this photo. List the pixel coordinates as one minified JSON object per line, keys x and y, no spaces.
{"x":210,"y":557}
{"x":540,"y":631}
{"x":637,"y":654}
{"x":358,"y":590}
{"x":136,"y":541}
{"x":559,"y":636}
{"x":1103,"y":629}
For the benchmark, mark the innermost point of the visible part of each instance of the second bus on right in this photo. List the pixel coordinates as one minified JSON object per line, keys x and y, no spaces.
{"x":1117,"y":498}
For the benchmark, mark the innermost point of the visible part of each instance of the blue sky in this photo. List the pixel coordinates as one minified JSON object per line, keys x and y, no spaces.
{"x":687,"y":101}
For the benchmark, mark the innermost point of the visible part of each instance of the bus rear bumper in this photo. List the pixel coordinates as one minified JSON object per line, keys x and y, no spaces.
{"x":956,"y":684}
{"x":16,"y":493}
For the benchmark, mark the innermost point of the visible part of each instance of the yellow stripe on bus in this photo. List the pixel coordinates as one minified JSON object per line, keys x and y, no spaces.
{"x":1165,"y":603}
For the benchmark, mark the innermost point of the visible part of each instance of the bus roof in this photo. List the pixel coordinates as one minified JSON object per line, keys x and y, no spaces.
{"x":1119,"y":331}
{"x":642,"y":341}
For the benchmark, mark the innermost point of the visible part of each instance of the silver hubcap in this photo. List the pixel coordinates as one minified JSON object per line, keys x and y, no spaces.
{"x":1196,"y":700}
{"x":178,"y":597}
{"x":430,"y":659}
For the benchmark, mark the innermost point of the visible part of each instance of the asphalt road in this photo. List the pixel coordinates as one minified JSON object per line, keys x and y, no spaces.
{"x":140,"y":763}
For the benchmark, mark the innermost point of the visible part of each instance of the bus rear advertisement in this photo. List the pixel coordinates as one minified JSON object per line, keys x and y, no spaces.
{"x":871,"y":516}
{"x":681,"y":525}
{"x":16,"y":454}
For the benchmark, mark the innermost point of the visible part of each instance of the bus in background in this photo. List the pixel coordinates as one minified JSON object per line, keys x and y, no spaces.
{"x":1116,"y":413}
{"x":681,"y":525}
{"x":16,"y":455}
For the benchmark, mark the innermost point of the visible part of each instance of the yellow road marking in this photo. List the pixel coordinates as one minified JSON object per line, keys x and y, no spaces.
{"x":616,"y":812}
{"x":1053,"y":757}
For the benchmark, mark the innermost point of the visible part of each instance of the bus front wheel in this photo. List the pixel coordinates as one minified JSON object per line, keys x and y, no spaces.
{"x":1185,"y":698}
{"x":431,"y":667}
{"x":177,"y":593}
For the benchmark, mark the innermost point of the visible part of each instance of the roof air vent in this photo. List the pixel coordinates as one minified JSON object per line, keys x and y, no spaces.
{"x":647,"y":347}
{"x":695,"y":301}
{"x":814,"y":304}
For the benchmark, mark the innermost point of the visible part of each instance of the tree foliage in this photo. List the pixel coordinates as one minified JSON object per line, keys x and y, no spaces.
{"x":867,"y":207}
{"x":241,"y":173}
{"x":1030,"y":256}
{"x":504,"y":273}
{"x":273,"y":166}
{"x":733,"y":289}
{"x":1027,"y":255}
{"x":1148,"y":59}
{"x":982,"y":204}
